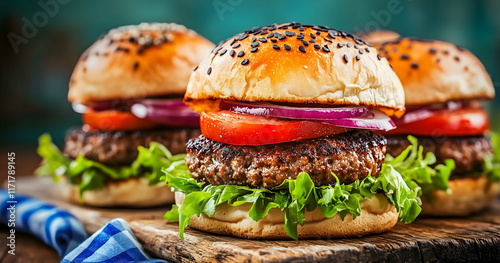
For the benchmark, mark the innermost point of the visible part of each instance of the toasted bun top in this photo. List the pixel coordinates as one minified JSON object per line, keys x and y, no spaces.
{"x":378,"y":37}
{"x":138,"y":61}
{"x":436,"y":71}
{"x":296,"y":63}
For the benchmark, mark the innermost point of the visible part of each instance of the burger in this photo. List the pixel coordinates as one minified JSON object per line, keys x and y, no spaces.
{"x":286,"y":149}
{"x":444,"y":87}
{"x":128,"y":86}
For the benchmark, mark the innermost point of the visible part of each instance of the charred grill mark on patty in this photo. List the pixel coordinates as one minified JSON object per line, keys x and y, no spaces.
{"x":120,"y":147}
{"x":467,"y":151}
{"x":351,"y":156}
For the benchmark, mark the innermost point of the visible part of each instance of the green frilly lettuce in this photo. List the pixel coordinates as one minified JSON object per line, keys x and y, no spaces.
{"x":90,"y":175}
{"x":492,"y":162}
{"x":398,"y":179}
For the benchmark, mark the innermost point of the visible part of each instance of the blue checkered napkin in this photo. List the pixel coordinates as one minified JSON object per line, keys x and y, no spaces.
{"x":115,"y":242}
{"x":56,"y":227}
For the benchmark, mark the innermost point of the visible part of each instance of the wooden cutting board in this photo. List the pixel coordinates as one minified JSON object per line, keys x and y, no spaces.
{"x":472,"y":239}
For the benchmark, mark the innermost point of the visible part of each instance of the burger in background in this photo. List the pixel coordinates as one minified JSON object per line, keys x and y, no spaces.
{"x":286,"y":149}
{"x":444,"y":85}
{"x":378,"y":36}
{"x":129,"y":87}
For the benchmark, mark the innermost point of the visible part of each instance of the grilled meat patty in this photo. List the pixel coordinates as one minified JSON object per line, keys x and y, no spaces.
{"x":350,"y":156}
{"x":120,"y":147}
{"x":467,"y":151}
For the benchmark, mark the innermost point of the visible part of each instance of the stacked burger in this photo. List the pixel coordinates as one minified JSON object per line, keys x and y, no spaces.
{"x":129,"y":87}
{"x":288,"y":148}
{"x":444,"y":85}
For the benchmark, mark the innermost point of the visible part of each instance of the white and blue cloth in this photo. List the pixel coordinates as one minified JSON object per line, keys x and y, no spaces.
{"x":54,"y":226}
{"x":115,"y":242}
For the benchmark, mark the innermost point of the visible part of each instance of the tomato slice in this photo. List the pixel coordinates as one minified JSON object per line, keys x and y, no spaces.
{"x":245,"y":129}
{"x":461,"y":122}
{"x":112,"y":120}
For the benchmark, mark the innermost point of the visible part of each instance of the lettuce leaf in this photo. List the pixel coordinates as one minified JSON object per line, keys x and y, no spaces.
{"x":90,"y":175}
{"x":294,"y":197}
{"x":412,"y":165}
{"x":492,"y":162}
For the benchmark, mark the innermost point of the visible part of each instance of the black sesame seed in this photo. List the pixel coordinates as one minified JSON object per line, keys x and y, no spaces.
{"x":131,"y":39}
{"x":357,"y":46}
{"x":223,"y":52}
{"x":263,"y":40}
{"x":331,"y":34}
{"x":404,"y":57}
{"x":270,"y":35}
{"x":289,"y":33}
{"x":124,"y":49}
{"x":236,"y":45}
{"x":195,"y":68}
{"x":312,"y":35}
{"x":340,"y":45}
{"x":346,"y":58}
{"x":414,"y":65}
{"x":343,"y":34}
{"x":254,"y":39}
{"x":349,"y":44}
{"x":209,"y":70}
{"x":432,"y":51}
{"x":245,"y":61}
{"x":312,"y":41}
{"x":255,"y":44}
{"x":438,"y":60}
{"x":232,"y":42}
{"x":302,"y":49}
{"x":253,"y":50}
{"x":276,"y":47}
{"x":241,"y":54}
{"x":305,"y":43}
{"x":328,"y":40}
{"x":231,"y":53}
{"x":379,"y":56}
{"x":287,"y":47}
{"x":274,"y":40}
{"x":301,"y":29}
{"x":358,"y":57}
{"x":316,"y":46}
{"x":326,"y":49}
{"x":456,"y":58}
{"x":140,"y":50}
{"x":281,"y":37}
{"x":300,"y":36}
{"x":243,"y":36}
{"x":446,"y":52}
{"x":135,"y":66}
{"x":367,"y":50}
{"x":361,"y":51}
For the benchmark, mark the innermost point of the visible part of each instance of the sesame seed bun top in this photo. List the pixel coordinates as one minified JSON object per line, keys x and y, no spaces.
{"x":436,"y":72}
{"x":138,"y":61}
{"x":295,"y":63}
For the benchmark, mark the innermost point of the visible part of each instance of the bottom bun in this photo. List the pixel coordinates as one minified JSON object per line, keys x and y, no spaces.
{"x":135,"y":192}
{"x":377,"y":216}
{"x":468,"y":196}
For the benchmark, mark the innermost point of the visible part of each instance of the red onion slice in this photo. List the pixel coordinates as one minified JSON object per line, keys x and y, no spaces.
{"x":378,"y":121}
{"x":288,"y":112}
{"x":420,"y":113}
{"x":163,"y":103}
{"x":170,"y":116}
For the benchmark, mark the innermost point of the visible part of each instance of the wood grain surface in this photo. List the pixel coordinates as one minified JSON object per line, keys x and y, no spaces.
{"x":472,"y":239}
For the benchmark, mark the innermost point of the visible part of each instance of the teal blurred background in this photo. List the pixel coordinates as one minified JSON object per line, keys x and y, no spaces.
{"x":35,"y":72}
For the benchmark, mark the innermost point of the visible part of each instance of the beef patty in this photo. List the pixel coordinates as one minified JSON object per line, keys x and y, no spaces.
{"x":120,"y":147}
{"x":467,"y":151}
{"x":350,"y":156}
